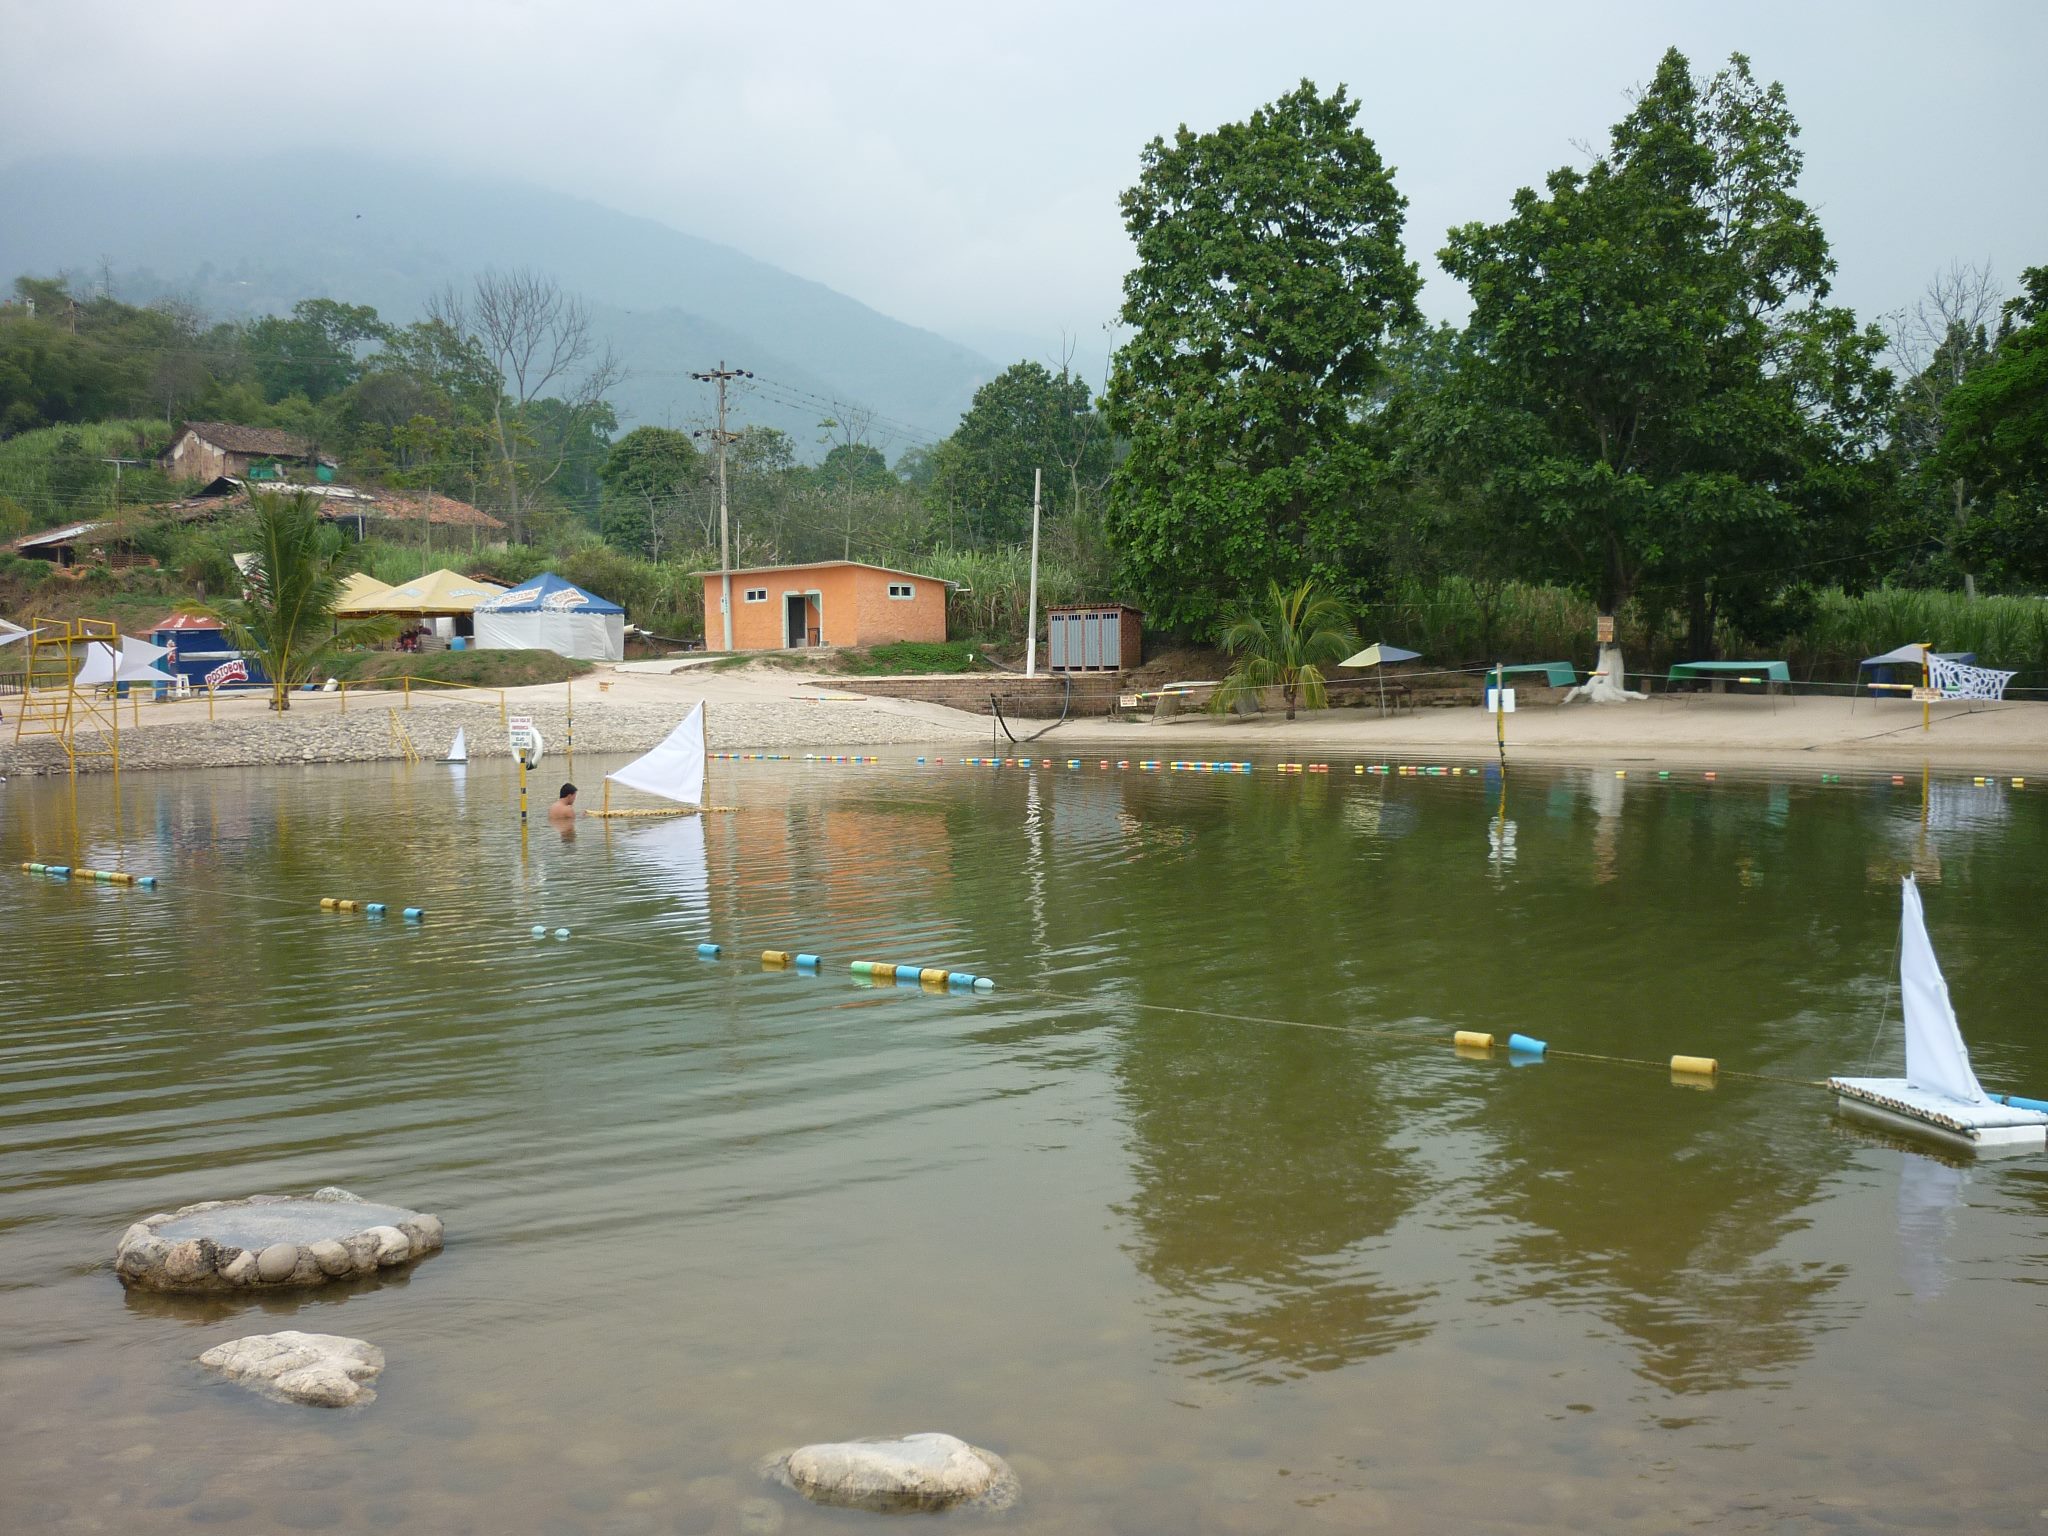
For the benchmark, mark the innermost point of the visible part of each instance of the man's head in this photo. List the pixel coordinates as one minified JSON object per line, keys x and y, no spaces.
{"x":568,"y":791}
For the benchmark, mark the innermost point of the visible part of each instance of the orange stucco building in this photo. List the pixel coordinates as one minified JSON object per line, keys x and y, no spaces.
{"x":827,"y":602}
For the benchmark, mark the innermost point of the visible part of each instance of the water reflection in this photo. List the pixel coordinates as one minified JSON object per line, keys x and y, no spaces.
{"x":1661,"y":1212}
{"x":1199,"y":1195}
{"x":1931,"y":1189}
{"x":1266,"y":1179}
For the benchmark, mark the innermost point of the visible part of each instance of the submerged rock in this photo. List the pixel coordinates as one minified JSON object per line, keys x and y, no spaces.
{"x":320,"y":1368}
{"x":271,"y":1240}
{"x":917,"y":1472}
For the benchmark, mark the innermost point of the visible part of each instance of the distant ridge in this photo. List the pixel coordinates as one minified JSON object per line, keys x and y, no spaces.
{"x":245,"y":236}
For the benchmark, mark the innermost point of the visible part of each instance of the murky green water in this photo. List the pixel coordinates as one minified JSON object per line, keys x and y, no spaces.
{"x":1192,"y":1266}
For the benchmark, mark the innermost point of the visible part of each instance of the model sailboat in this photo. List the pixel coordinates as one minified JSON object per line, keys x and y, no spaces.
{"x":458,"y":750}
{"x":674,"y":771}
{"x":1939,"y":1096}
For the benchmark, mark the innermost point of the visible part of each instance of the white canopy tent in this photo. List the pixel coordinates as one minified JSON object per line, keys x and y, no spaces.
{"x":551,"y":614}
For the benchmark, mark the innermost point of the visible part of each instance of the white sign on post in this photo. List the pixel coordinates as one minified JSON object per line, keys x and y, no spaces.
{"x":1500,"y":701}
{"x":519,"y":731}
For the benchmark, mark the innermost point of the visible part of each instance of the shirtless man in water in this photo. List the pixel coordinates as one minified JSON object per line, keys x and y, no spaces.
{"x":564,"y":809}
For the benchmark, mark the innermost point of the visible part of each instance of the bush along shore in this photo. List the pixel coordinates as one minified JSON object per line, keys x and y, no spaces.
{"x":365,"y":736}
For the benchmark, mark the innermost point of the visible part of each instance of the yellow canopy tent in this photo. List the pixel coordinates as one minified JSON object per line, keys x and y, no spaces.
{"x":361,"y":585}
{"x":440,"y":592}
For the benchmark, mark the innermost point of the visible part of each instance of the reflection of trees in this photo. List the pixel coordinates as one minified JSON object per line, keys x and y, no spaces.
{"x":1264,"y":1175}
{"x":1659,"y":1211}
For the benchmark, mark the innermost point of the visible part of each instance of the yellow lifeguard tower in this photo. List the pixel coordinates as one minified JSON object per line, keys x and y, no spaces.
{"x":85,"y":720}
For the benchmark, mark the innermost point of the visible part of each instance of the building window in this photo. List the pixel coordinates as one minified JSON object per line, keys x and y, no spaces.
{"x":755,"y":595}
{"x":901,"y":589}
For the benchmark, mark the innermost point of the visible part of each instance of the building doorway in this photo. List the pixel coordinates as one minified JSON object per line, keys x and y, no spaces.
{"x":799,"y":610}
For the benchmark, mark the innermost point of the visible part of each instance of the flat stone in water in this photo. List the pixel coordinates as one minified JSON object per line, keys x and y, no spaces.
{"x":295,"y":1220}
{"x":271,"y":1240}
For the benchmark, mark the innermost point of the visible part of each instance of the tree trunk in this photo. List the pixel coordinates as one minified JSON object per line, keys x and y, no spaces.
{"x":1609,"y":685}
{"x":1699,"y":623}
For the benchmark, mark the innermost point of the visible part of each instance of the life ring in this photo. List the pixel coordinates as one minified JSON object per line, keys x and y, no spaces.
{"x":534,"y":750}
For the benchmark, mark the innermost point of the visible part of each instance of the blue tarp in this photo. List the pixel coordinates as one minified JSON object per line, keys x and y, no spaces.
{"x":549,"y":593}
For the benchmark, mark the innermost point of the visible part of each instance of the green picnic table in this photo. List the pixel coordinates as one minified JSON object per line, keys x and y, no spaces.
{"x":1556,"y":674}
{"x":1766,"y":672}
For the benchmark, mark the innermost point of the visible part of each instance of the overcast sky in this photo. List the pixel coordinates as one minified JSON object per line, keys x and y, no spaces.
{"x":958,"y":165}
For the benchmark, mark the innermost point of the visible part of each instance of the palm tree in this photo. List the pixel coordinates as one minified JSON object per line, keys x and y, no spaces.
{"x":284,"y":617}
{"x":1286,"y":641}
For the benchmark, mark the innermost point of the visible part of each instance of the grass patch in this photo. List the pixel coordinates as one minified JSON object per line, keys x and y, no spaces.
{"x":908,"y":657}
{"x":478,"y":669}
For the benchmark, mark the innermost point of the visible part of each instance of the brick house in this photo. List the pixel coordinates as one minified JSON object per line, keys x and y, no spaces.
{"x":825,"y":602}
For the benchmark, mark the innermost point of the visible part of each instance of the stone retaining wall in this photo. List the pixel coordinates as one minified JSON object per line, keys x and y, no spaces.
{"x":1023,"y":698}
{"x":325,"y":736}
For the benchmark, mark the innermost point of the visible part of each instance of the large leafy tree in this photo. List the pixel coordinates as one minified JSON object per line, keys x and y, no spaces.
{"x":284,"y":616}
{"x":1664,"y":398}
{"x":1026,"y":418}
{"x":646,"y":475}
{"x":1997,"y":437}
{"x":315,"y":351}
{"x":1270,"y":269}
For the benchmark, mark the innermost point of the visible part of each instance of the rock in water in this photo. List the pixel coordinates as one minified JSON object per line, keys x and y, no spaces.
{"x":918,"y":1472}
{"x":271,"y":1240}
{"x":321,"y":1368}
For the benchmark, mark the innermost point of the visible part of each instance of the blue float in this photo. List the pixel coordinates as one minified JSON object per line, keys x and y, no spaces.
{"x":709,"y":951}
{"x":418,"y":914}
{"x":907,"y":972}
{"x":1527,"y":1045}
{"x":807,"y":962}
{"x":2014,"y":1101}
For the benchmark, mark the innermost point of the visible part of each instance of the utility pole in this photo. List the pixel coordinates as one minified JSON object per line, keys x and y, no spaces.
{"x":720,"y":376}
{"x":1031,"y":619}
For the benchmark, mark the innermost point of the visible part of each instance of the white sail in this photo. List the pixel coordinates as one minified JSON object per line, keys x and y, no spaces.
{"x":458,"y":752}
{"x":138,"y":662}
{"x":1937,"y":1061}
{"x":9,"y":633}
{"x":675,"y":769}
{"x":100,"y":665}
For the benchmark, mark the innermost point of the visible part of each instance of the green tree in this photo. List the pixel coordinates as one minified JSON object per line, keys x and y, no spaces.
{"x":1286,"y":642}
{"x":284,"y":616}
{"x":1026,"y":418}
{"x":1654,"y":391}
{"x":1270,"y":270}
{"x":314,"y":352}
{"x":1996,"y":436}
{"x":645,"y":474}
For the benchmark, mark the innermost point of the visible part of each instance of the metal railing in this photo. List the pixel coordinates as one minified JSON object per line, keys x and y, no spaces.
{"x":406,"y":682}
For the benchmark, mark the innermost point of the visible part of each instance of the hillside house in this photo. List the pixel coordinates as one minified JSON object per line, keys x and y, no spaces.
{"x":208,"y":450}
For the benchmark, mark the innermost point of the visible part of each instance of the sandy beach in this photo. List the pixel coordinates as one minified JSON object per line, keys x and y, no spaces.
{"x":629,"y":709}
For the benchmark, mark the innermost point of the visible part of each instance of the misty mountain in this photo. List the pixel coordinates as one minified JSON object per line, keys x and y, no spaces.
{"x":254,"y":236}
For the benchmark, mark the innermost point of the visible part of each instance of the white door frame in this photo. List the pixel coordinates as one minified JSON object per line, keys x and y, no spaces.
{"x":798,"y":642}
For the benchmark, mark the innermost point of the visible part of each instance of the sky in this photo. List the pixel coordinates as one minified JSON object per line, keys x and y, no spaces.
{"x":957,"y":166}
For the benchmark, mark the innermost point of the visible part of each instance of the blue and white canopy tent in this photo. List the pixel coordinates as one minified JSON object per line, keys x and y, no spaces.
{"x":551,"y":614}
{"x":1904,"y":669}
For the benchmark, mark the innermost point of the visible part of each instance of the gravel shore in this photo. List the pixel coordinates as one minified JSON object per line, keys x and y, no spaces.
{"x":316,"y":732}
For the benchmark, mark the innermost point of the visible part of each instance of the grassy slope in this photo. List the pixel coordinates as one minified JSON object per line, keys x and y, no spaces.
{"x":484,"y":669}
